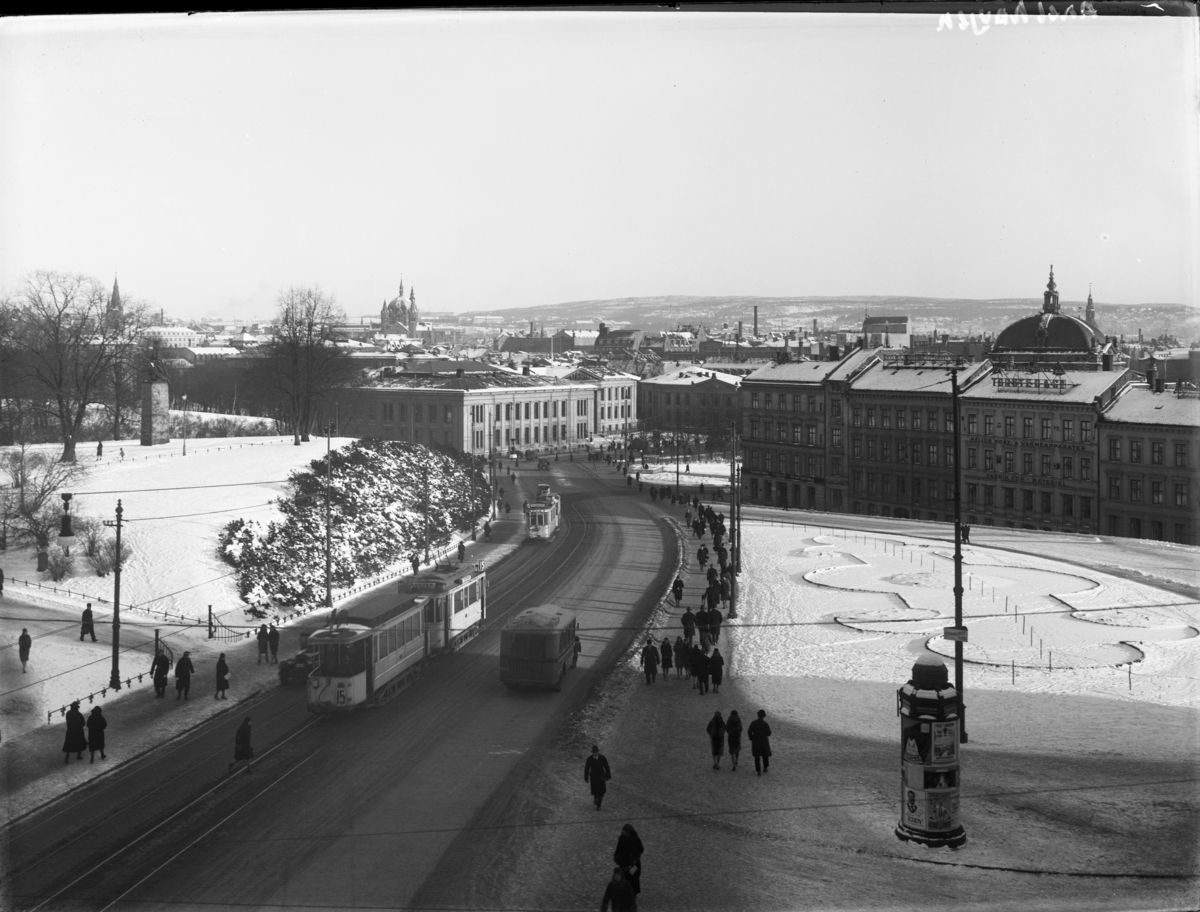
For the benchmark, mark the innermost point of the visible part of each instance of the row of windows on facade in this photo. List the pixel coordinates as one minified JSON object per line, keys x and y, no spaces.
{"x":1158,"y":452}
{"x":1156,"y":529}
{"x":900,"y":487}
{"x":712,"y":400}
{"x":555,"y":433}
{"x":801,"y":465}
{"x":1135,"y":489}
{"x":814,"y":403}
{"x":508,"y":411}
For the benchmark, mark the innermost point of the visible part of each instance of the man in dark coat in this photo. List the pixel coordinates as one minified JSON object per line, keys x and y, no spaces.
{"x":650,"y":661}
{"x":618,"y":895}
{"x":689,"y":626}
{"x":700,"y":669}
{"x":76,"y":740}
{"x":96,"y":723}
{"x":677,"y":591}
{"x":702,"y":556}
{"x":759,"y":734}
{"x":596,"y":773}
{"x":160,"y":668}
{"x":628,"y":855}
{"x":241,"y":746}
{"x":714,"y":620}
{"x":184,"y":669}
{"x":86,"y":627}
{"x":24,"y":644}
{"x":262,"y":636}
{"x":273,"y":642}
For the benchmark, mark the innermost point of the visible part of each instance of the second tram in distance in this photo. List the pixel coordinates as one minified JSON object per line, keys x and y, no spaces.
{"x":545,"y":514}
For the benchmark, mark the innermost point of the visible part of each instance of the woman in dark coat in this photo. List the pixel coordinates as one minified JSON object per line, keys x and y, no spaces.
{"x":242,"y":748}
{"x":716,"y":734}
{"x":733,"y":731}
{"x":222,"y":678}
{"x":716,"y":669}
{"x":596,"y":773}
{"x":76,"y":741}
{"x":650,"y":661}
{"x":665,"y":649}
{"x":681,"y":658}
{"x":628,"y":856}
{"x":96,"y":723}
{"x":24,"y":644}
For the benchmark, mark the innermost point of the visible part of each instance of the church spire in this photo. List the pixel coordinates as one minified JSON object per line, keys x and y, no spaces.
{"x":1090,"y":314}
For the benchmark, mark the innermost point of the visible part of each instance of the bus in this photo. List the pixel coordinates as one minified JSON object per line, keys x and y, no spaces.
{"x":536,"y":647}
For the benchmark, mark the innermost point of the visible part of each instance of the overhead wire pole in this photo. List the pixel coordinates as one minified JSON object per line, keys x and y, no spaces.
{"x":734,"y":531}
{"x":114,"y":680}
{"x":328,"y":520}
{"x":958,"y":583}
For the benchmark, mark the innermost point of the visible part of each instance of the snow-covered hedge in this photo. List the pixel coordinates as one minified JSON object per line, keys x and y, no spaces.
{"x":385,"y":497}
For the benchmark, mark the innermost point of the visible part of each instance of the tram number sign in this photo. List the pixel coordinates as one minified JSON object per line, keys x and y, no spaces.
{"x":955,"y":634}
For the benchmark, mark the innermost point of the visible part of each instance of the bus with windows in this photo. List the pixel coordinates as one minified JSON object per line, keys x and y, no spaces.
{"x":536,"y":647}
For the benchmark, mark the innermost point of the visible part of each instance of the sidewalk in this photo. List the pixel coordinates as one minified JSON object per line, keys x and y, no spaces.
{"x":138,"y":722}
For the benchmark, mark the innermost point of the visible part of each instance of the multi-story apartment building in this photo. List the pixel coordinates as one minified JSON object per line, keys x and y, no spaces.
{"x":475,"y":410}
{"x":784,"y":430}
{"x":692,"y":401}
{"x":615,"y":407}
{"x":1149,"y":449}
{"x":899,"y":435}
{"x":1030,"y":448}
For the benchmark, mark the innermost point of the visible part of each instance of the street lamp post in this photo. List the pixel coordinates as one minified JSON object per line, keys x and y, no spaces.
{"x":114,"y":680}
{"x":66,"y":537}
{"x":958,"y":586}
{"x":328,"y":520}
{"x":185,"y":423}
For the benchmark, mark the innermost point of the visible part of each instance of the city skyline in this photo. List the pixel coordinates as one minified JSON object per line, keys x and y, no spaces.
{"x":514,"y":160}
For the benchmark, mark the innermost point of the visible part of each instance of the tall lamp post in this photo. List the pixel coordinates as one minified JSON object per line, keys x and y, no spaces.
{"x":185,"y":422}
{"x":958,"y":586}
{"x":328,"y":519}
{"x":114,"y":679}
{"x":66,"y":537}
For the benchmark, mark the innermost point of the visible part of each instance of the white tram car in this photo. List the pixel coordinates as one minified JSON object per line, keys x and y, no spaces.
{"x":376,"y":647}
{"x":545,"y":514}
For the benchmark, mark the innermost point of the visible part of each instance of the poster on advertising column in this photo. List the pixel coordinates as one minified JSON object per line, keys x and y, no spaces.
{"x":912,"y":809}
{"x":914,"y":740}
{"x":945,"y":742}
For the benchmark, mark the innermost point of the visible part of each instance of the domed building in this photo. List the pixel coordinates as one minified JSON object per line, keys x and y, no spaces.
{"x":1053,"y":337}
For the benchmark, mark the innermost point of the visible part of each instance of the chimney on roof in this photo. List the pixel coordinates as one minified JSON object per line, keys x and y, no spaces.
{"x":756,"y":321}
{"x":458,"y":372}
{"x":1158,"y":384}
{"x":1106,"y":361}
{"x":525,"y":368}
{"x":739,"y":335}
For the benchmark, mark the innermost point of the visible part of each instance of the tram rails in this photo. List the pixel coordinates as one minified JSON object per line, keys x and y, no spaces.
{"x":39,"y":853}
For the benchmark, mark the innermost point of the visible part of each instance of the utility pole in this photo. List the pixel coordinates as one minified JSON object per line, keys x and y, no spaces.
{"x":734,"y":532}
{"x":114,"y":679}
{"x":676,"y":436}
{"x":958,"y":586}
{"x":425,"y":479}
{"x":328,"y":520}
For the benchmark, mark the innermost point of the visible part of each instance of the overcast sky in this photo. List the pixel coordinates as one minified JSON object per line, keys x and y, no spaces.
{"x":495,"y":160}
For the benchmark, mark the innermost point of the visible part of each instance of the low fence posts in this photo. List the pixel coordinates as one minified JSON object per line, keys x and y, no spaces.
{"x":210,"y":622}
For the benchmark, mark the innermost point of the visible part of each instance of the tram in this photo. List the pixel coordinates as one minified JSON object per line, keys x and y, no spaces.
{"x":545,"y":514}
{"x":374,"y":649}
{"x":536,"y":647}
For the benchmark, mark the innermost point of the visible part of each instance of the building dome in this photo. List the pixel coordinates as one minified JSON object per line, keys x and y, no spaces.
{"x":1051,"y":330}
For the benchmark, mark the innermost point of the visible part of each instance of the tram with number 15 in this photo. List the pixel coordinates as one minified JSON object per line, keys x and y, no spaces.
{"x":375,"y":648}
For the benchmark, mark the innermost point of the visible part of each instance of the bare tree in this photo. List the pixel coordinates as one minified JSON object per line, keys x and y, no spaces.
{"x":66,"y":343}
{"x":29,"y":501}
{"x":301,"y":361}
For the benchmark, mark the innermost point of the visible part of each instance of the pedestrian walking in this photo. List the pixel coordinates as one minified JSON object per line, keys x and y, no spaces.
{"x":487,"y":530}
{"x":689,"y":625}
{"x":714,"y":616}
{"x":702,"y":627}
{"x":462,"y":551}
{"x":262,"y":636}
{"x":76,"y":740}
{"x":160,"y":668}
{"x":677,"y":590}
{"x":716,"y":669}
{"x":618,"y":895}
{"x":184,"y":669}
{"x":24,"y":643}
{"x":96,"y":723}
{"x":700,"y":669}
{"x":733,"y":733}
{"x":222,"y":678}
{"x":666,"y":652}
{"x":687,"y":516}
{"x":966,"y":534}
{"x":242,"y":749}
{"x":86,"y":627}
{"x":628,"y":856}
{"x":650,"y":661}
{"x":716,"y":736}
{"x":273,"y":642}
{"x":681,"y":658}
{"x":100,"y":449}
{"x":4,"y":542}
{"x":726,"y":590}
{"x":596,"y":773}
{"x":576,"y":650}
{"x":122,"y":454}
{"x":416,"y":563}
{"x":759,"y":734}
